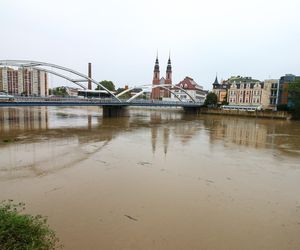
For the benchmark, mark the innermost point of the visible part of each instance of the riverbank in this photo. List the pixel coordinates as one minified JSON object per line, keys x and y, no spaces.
{"x":282,"y":115}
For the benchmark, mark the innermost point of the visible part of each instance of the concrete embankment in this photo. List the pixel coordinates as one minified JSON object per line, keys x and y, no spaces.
{"x":257,"y":114}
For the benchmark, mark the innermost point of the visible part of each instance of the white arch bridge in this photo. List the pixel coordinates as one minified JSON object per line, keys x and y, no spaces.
{"x":79,"y":79}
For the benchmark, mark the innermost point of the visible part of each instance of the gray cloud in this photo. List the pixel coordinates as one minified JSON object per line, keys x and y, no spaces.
{"x":120,"y":38}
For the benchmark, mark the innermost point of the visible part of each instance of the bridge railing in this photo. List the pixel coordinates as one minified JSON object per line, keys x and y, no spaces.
{"x":64,"y":99}
{"x":107,"y":101}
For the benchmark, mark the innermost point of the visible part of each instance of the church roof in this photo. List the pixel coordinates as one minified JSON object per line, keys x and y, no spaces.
{"x":162,"y":80}
{"x":216,"y":82}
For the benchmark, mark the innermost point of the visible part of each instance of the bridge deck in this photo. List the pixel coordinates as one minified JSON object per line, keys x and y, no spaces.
{"x":23,"y":101}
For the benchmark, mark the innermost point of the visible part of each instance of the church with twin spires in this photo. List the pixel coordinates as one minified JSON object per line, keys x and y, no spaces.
{"x":161,"y":92}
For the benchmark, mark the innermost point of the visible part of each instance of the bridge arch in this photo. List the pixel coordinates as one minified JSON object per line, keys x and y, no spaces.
{"x":164,"y":86}
{"x":40,"y":66}
{"x":141,"y":92}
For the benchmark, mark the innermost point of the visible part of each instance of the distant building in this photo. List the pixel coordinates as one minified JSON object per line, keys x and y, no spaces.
{"x":23,"y":81}
{"x":272,"y":92}
{"x":283,"y":96}
{"x":89,"y":93}
{"x":192,"y":88}
{"x":136,"y":91}
{"x":220,"y":90}
{"x":247,"y":91}
{"x":159,"y":93}
{"x":71,"y":91}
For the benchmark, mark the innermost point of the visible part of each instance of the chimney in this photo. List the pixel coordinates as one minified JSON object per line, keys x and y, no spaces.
{"x":89,"y":75}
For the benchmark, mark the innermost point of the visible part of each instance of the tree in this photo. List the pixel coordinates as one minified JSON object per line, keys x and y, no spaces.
{"x":59,"y":91}
{"x":24,"y":231}
{"x":294,"y":98}
{"x":107,"y":84}
{"x":211,"y":99}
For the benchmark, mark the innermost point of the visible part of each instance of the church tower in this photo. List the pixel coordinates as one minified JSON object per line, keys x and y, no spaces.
{"x":156,"y":80}
{"x":168,"y":77}
{"x":169,"y":72}
{"x":156,"y":72}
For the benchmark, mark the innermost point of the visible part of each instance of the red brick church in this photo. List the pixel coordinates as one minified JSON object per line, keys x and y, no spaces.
{"x":159,"y":93}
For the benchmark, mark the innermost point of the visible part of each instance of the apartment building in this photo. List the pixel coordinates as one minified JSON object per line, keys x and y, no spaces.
{"x":23,"y":81}
{"x":253,"y":92}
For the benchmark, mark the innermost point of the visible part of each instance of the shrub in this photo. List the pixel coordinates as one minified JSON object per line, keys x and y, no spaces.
{"x":22,"y":231}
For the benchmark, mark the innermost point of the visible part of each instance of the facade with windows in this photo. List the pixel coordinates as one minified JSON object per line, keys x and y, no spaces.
{"x":273,"y":88}
{"x":284,"y":81}
{"x":245,"y":93}
{"x":23,"y":81}
{"x":189,"y":88}
{"x":220,"y":90}
{"x":263,"y":94}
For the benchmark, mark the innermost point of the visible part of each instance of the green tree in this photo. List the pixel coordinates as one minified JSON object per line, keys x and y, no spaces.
{"x":59,"y":91}
{"x":124,"y":96}
{"x":107,"y":84}
{"x":294,"y":98}
{"x":211,"y":99}
{"x":20,"y":231}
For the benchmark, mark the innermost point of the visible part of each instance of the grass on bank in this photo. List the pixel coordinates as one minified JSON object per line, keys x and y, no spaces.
{"x":20,"y":231}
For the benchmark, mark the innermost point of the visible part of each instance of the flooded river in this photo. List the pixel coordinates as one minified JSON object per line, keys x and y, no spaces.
{"x":155,"y":179}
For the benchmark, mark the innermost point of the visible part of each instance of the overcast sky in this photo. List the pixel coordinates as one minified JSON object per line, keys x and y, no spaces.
{"x":258,"y":38}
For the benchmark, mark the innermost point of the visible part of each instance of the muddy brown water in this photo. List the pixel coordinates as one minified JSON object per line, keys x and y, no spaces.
{"x":154,"y":180}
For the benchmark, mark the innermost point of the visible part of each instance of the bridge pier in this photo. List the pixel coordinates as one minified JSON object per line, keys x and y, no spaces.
{"x":115,"y":111}
{"x":192,"y":110}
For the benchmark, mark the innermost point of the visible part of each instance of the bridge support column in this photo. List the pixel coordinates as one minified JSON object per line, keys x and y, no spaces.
{"x":192,"y":110}
{"x":115,"y":111}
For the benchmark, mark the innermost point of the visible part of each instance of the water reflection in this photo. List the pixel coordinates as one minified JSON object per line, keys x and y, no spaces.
{"x":236,"y":130}
{"x":26,"y":118}
{"x":255,"y":133}
{"x":36,"y":141}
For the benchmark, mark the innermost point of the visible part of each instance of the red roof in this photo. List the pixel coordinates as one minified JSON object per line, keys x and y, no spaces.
{"x":189,"y":84}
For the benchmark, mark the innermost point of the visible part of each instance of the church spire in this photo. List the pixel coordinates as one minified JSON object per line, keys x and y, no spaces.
{"x":168,"y":76}
{"x":156,"y":66}
{"x":156,"y":70}
{"x":216,"y":80}
{"x":169,"y":67}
